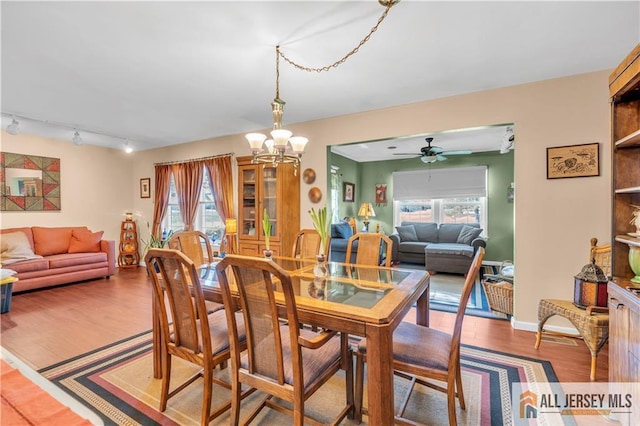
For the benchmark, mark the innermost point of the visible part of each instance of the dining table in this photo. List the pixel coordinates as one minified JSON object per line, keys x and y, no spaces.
{"x":364,"y":301}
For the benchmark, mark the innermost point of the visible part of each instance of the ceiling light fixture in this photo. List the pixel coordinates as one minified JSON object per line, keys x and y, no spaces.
{"x":507,"y":141}
{"x":128,"y":148}
{"x":77,"y":140}
{"x":14,"y":127}
{"x":284,"y":147}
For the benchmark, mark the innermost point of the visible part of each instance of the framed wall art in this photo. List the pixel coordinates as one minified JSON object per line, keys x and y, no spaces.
{"x":348,"y":192}
{"x":145,"y":188}
{"x":573,"y":161}
{"x":29,"y":182}
{"x":381,"y":193}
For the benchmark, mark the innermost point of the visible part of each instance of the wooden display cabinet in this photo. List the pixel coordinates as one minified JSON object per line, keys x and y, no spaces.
{"x":277,"y":189}
{"x":624,"y":304}
{"x":128,"y":256}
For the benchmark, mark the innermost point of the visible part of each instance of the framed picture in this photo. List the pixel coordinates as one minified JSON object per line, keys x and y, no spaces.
{"x":573,"y":161}
{"x":348,"y":192}
{"x":145,"y":188}
{"x":381,"y":193}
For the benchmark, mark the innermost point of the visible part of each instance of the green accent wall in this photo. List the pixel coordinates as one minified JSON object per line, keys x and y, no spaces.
{"x":499,"y":178}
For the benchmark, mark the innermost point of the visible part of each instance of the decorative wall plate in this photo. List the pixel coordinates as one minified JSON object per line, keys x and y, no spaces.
{"x":315,"y":195}
{"x":309,"y":176}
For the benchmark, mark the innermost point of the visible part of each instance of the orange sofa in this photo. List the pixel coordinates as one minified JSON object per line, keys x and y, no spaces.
{"x":51,"y":256}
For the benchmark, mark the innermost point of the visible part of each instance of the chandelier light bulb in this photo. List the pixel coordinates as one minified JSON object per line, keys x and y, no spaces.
{"x":298,"y":143}
{"x":281,"y":138}
{"x":255,"y":141}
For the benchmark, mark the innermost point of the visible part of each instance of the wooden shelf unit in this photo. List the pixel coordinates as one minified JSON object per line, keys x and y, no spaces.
{"x":624,"y":306}
{"x":128,"y":255}
{"x":277,"y":189}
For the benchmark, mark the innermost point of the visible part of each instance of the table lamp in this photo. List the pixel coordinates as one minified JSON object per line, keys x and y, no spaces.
{"x":366,"y":210}
{"x":231,"y":226}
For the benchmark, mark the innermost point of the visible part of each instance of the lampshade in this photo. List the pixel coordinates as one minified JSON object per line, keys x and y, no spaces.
{"x":231,"y":225}
{"x":366,"y":210}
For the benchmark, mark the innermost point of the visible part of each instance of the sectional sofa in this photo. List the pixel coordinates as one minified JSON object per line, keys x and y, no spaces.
{"x":449,"y":247}
{"x":47,"y":256}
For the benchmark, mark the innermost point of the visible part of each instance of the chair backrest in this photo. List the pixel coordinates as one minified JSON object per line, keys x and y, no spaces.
{"x":191,"y":243}
{"x":255,"y":279}
{"x":370,"y":246}
{"x":175,"y":280}
{"x":307,"y":244}
{"x":469,"y":282}
{"x":601,"y":256}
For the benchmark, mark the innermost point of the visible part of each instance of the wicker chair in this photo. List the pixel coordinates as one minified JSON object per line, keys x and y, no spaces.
{"x":191,"y":243}
{"x":422,"y":353}
{"x":282,"y":361}
{"x":601,"y":256}
{"x":307,"y":244}
{"x":182,"y":333}
{"x":370,"y":246}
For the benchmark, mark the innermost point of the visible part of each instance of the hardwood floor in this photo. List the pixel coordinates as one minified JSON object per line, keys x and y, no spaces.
{"x":51,"y":325}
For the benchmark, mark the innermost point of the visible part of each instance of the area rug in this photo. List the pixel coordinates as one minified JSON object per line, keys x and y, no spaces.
{"x":117,"y":382}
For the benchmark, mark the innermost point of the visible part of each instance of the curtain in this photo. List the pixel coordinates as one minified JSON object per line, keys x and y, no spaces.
{"x":188,"y":180}
{"x":161,"y":203}
{"x":221,"y":178}
{"x":457,"y":182}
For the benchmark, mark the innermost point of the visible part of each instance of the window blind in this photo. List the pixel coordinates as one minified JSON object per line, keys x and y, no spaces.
{"x":457,"y":182}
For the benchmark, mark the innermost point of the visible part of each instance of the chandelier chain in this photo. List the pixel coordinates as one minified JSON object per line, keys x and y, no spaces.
{"x":339,"y":61}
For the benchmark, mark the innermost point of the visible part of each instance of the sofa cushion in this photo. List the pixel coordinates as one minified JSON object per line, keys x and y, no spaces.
{"x":38,"y":264}
{"x":341,"y":230}
{"x":26,"y":230}
{"x":426,"y":231}
{"x":50,"y":241}
{"x":85,"y":241}
{"x":449,"y":249}
{"x":407,"y":233}
{"x":15,"y":247}
{"x":75,"y":259}
{"x":412,"y":247}
{"x":448,"y":232}
{"x":468,"y":234}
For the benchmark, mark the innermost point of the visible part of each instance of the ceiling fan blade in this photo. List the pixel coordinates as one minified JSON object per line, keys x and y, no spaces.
{"x":461,"y":152}
{"x":441,"y":157}
{"x":407,"y":153}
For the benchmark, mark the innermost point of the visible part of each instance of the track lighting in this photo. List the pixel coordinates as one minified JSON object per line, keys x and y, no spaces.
{"x":77,"y":140}
{"x":507,"y":141}
{"x":14,"y":127}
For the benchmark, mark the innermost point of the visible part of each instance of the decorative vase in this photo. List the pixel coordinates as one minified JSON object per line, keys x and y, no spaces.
{"x":634,"y":263}
{"x":268,"y":254}
{"x":320,"y":268}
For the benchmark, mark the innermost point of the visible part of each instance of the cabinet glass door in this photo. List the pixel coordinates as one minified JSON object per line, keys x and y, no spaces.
{"x":249,"y":205}
{"x":269,"y":191}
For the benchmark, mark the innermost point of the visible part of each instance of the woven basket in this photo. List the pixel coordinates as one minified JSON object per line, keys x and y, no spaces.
{"x":499,"y":296}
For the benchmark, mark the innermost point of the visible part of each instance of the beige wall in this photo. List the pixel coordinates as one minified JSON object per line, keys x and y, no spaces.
{"x":96,"y":185}
{"x":554,"y":219}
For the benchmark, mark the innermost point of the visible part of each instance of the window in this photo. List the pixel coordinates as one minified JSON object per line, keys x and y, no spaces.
{"x":449,"y":195}
{"x":445,"y":210}
{"x":335,"y":194}
{"x":207,"y":219}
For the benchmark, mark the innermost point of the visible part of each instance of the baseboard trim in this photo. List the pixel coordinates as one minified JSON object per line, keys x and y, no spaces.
{"x":533,"y":326}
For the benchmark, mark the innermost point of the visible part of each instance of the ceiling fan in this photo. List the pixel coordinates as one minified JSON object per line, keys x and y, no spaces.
{"x":430,"y":154}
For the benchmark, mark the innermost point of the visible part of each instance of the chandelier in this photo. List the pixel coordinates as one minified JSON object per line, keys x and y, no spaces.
{"x":283,"y":147}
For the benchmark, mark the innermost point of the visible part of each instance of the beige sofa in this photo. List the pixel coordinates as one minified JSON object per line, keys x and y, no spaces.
{"x":47,"y":256}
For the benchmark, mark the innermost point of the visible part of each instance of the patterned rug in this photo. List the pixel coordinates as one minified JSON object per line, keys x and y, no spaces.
{"x":117,"y":383}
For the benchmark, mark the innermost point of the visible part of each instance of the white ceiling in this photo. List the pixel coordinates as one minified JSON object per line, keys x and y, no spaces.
{"x":163,"y":73}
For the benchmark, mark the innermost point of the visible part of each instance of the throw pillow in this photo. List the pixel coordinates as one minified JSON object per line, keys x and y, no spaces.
{"x":407,"y":233}
{"x":85,"y":241}
{"x":468,"y":234}
{"x":341,"y":230}
{"x":50,"y":241}
{"x":14,"y":247}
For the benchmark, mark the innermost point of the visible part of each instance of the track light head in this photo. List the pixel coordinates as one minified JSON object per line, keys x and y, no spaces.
{"x":507,"y":141}
{"x":14,"y":127}
{"x":77,"y":140}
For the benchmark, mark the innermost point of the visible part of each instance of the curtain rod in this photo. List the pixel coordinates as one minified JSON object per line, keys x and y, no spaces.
{"x":228,"y":154}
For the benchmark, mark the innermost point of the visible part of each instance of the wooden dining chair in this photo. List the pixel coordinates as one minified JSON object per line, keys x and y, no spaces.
{"x":179,"y":306}
{"x":283,"y":361}
{"x":601,"y":256}
{"x":195,"y":244}
{"x":422,"y":354}
{"x":370,"y":246}
{"x":307,"y":245}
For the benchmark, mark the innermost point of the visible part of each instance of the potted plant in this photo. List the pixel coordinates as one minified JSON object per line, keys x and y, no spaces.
{"x":155,"y":241}
{"x":266,"y":228}
{"x":322,"y":223}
